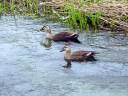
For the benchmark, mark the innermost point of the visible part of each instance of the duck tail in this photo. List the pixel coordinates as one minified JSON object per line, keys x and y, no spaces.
{"x":75,"y":35}
{"x":75,"y":40}
{"x":96,"y":53}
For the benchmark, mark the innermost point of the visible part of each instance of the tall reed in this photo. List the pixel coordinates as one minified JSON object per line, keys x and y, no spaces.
{"x":12,"y":5}
{"x":79,"y":18}
{"x":1,"y":8}
{"x":26,"y":7}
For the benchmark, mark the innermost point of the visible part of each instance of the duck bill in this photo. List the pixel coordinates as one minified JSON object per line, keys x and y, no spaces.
{"x":41,"y":29}
{"x":62,"y":50}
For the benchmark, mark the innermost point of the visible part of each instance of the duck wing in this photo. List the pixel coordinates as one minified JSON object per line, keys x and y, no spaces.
{"x":82,"y":55}
{"x":65,"y":36}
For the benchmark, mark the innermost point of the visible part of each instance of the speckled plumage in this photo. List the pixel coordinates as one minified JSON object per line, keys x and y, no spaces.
{"x":61,"y":36}
{"x":78,"y":55}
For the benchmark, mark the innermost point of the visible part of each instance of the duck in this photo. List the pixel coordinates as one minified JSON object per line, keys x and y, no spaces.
{"x":61,"y":36}
{"x":78,"y":56}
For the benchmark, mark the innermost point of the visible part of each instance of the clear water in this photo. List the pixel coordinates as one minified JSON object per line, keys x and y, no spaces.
{"x":28,"y":68}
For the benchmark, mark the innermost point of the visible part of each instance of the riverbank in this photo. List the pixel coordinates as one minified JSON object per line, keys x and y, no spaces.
{"x":105,"y":14}
{"x":112,"y":14}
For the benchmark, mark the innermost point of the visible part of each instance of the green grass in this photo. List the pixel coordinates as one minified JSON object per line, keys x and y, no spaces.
{"x":12,"y":5}
{"x":76,"y":18}
{"x":1,"y":9}
{"x":26,"y":7}
{"x":80,"y":19}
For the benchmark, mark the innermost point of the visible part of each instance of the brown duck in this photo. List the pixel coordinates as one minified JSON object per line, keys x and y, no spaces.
{"x":62,"y":36}
{"x":78,"y":55}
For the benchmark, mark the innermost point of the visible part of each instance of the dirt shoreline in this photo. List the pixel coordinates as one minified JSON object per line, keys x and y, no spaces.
{"x":114,"y":13}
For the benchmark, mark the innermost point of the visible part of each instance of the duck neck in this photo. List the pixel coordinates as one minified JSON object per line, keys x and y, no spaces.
{"x":68,"y":53}
{"x":49,"y":35}
{"x":49,"y":31}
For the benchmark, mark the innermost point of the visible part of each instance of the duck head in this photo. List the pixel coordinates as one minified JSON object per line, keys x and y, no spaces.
{"x":46,"y":28}
{"x":66,"y":48}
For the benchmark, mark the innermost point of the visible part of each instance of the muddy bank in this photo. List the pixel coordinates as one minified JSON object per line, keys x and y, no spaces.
{"x":114,"y":13}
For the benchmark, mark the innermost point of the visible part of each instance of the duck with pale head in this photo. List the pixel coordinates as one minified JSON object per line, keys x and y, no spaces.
{"x":79,"y":56}
{"x":61,"y":36}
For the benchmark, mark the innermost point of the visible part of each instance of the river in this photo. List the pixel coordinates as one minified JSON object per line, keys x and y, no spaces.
{"x":31,"y":67}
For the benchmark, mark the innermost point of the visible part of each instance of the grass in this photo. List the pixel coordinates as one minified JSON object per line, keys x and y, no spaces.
{"x":26,"y":7}
{"x":1,"y":8}
{"x":74,"y":12}
{"x":12,"y":5}
{"x":80,"y":19}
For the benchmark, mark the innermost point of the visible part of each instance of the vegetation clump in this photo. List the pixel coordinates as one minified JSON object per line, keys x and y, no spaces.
{"x":96,"y":14}
{"x":103,"y":14}
{"x":25,"y":7}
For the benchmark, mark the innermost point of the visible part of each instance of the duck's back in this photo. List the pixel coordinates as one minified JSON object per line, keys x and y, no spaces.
{"x":64,"y":36}
{"x":81,"y":55}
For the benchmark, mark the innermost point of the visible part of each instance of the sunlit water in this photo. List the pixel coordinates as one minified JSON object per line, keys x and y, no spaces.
{"x":28,"y":68}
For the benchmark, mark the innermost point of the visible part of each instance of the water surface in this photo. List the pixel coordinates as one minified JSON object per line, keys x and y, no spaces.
{"x":28,"y":68}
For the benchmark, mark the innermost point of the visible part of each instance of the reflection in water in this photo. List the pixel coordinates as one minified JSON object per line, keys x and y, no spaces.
{"x":68,"y":65}
{"x":47,"y":45}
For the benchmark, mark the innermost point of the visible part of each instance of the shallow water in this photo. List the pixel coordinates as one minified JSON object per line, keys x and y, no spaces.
{"x":28,"y":68}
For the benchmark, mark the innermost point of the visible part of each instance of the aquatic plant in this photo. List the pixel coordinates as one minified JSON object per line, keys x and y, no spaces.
{"x":26,"y":7}
{"x":1,"y":8}
{"x":12,"y":5}
{"x":76,"y":13}
{"x":36,"y":5}
{"x":79,"y":18}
